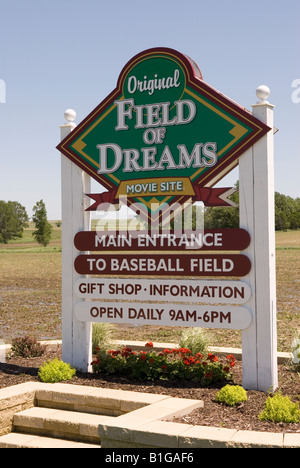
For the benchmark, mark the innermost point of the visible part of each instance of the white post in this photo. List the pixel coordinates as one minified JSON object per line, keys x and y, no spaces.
{"x":259,"y":341}
{"x":76,"y":336}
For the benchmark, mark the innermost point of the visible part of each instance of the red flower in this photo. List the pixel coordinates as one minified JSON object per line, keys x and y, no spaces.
{"x":185,"y":351}
{"x":164,"y":367}
{"x":149,"y":345}
{"x":143,"y":357}
{"x":212,"y":357}
{"x":93,"y":363}
{"x":208,"y":375}
{"x":230,"y":357}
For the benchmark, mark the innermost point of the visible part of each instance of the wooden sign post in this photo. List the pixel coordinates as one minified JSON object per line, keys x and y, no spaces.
{"x":76,"y":335}
{"x":158,"y":142}
{"x":256,"y":192}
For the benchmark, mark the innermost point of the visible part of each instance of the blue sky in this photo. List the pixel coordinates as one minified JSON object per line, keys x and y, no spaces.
{"x":60,"y":54}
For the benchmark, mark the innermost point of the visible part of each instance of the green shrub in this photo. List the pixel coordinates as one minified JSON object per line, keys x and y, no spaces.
{"x":231,"y":395}
{"x":55,"y":371}
{"x":195,"y":339}
{"x":101,"y":336}
{"x":280,"y":409}
{"x":26,"y":347}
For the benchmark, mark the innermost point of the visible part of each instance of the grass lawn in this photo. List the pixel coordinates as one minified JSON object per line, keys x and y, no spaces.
{"x":30,"y":294}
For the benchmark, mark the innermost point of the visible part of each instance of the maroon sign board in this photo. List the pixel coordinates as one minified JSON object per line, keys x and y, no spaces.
{"x":214,"y":239}
{"x":186,"y":265}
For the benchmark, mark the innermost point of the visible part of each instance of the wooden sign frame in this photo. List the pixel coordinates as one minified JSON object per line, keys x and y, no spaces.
{"x":259,"y":339}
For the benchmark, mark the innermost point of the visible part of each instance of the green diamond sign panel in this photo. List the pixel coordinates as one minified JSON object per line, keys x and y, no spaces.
{"x":163,"y":134}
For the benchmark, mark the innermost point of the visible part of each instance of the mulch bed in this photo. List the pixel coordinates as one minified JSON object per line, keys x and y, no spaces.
{"x":17,"y":370}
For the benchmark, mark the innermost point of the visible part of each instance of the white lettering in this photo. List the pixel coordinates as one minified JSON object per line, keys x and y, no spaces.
{"x":185,"y":113}
{"x":208,"y":151}
{"x":180,"y":112}
{"x":131,"y":157}
{"x":166,"y":158}
{"x":103,"y":158}
{"x":152,"y":85}
{"x":122,"y":112}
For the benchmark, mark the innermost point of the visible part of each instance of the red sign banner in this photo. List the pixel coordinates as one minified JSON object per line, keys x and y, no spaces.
{"x":209,"y":197}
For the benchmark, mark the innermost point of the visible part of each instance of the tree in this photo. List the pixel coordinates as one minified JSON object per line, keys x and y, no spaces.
{"x":13,"y":220}
{"x":224,"y":217}
{"x":287,"y":212}
{"x":43,"y":231}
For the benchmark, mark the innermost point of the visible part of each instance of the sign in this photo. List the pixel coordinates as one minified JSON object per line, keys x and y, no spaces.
{"x":214,"y":239}
{"x":233,"y":317}
{"x":159,"y":264}
{"x":159,"y":141}
{"x":187,"y":291}
{"x":162,"y":136}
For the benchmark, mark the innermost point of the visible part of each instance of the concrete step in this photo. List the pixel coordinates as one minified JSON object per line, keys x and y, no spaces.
{"x":57,"y":423}
{"x":15,"y":440}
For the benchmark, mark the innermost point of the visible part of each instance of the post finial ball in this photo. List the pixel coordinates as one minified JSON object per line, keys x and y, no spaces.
{"x":263,"y":92}
{"x":70,"y":115}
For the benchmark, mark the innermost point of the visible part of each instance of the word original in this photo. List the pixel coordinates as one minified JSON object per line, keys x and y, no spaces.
{"x":152,"y":85}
